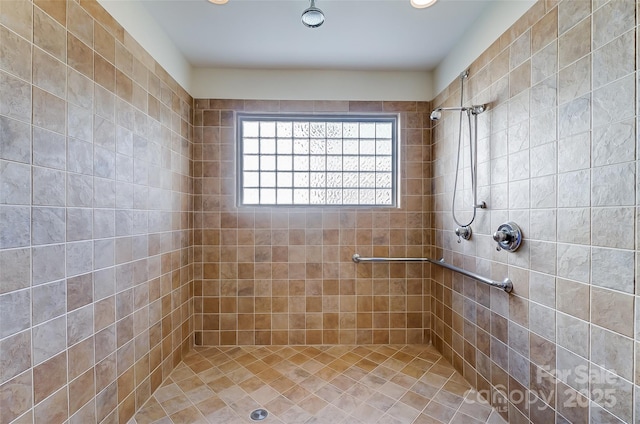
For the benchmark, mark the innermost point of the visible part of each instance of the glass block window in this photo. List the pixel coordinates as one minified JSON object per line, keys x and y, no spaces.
{"x":313,"y":160}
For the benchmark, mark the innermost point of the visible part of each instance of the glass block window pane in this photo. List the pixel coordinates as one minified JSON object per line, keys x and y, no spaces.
{"x":317,"y":160}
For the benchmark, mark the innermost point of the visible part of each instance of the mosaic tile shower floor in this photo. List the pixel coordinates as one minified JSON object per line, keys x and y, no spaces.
{"x":387,"y":384}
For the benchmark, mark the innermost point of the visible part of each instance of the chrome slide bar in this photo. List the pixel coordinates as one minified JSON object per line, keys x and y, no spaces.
{"x":505,"y":284}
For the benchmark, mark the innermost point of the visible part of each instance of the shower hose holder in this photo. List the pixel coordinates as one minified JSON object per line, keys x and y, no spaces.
{"x":463,"y":233}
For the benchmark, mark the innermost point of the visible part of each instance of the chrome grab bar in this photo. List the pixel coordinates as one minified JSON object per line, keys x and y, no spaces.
{"x":505,"y":284}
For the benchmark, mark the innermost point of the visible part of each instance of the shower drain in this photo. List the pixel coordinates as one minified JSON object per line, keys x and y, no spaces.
{"x":259,"y":414}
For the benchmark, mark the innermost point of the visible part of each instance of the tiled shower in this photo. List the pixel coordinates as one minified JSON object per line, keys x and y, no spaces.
{"x":558,"y":155}
{"x":95,"y":216}
{"x":274,"y":276}
{"x":121,"y":247}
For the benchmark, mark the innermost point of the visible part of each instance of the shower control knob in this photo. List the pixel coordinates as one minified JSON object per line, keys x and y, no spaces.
{"x":508,"y":237}
{"x":501,"y":236}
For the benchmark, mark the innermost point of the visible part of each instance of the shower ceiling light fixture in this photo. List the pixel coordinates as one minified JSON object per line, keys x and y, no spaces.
{"x":421,"y":4}
{"x":218,"y":1}
{"x":312,"y":17}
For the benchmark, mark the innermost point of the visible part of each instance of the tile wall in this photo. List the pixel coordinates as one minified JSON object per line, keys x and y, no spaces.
{"x":94,"y":216}
{"x":97,"y":250}
{"x":285,"y":276}
{"x":558,"y":154}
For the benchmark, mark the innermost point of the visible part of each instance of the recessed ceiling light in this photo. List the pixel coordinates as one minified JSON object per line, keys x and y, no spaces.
{"x":218,"y":1}
{"x":421,"y":4}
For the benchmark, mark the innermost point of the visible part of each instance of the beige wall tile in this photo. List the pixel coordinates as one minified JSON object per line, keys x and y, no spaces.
{"x":64,"y":195}
{"x":570,"y":13}
{"x":49,"y":377}
{"x":523,"y":116}
{"x":324,"y":242}
{"x":16,"y":54}
{"x":611,"y":21}
{"x":48,"y":34}
{"x":16,"y":355}
{"x":18,"y":17}
{"x":545,"y":30}
{"x":575,"y":190}
{"x":16,"y":398}
{"x":20,"y":94}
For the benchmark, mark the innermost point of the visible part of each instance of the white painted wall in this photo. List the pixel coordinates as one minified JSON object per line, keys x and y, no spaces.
{"x":498,"y":17}
{"x":315,"y":84}
{"x":135,"y":19}
{"x":311,"y":84}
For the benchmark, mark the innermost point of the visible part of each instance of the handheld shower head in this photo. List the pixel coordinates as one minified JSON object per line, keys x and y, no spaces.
{"x":436,"y":114}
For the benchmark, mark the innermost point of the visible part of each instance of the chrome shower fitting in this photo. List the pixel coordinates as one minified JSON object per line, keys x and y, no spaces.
{"x":478,"y":109}
{"x":464,"y":230}
{"x":508,"y":237}
{"x":463,"y":233}
{"x":474,"y":110}
{"x":312,"y":17}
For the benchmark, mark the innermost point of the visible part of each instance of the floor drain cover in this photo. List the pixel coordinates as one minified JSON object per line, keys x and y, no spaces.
{"x":259,"y":415}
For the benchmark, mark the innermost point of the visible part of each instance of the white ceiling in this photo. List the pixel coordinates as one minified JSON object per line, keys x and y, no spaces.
{"x":357,"y":34}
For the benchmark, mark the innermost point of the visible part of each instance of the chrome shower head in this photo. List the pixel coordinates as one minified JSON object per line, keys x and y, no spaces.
{"x":312,"y":17}
{"x":474,"y":110}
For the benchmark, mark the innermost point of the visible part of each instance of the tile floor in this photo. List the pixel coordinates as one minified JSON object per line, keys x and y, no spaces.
{"x":390,"y":384}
